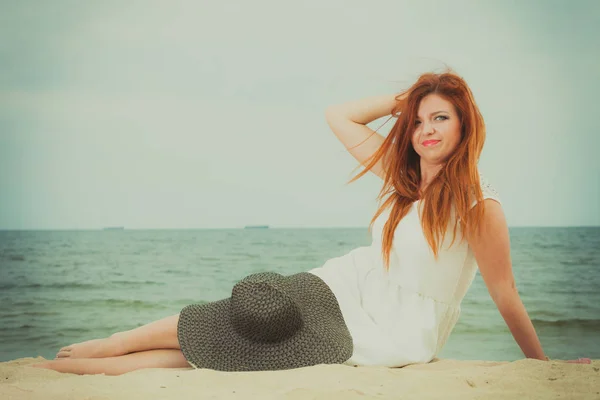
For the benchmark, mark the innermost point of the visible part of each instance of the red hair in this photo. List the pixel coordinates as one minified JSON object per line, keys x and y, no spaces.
{"x":456,"y":182}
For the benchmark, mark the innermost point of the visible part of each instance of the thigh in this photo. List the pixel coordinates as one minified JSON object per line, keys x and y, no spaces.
{"x":160,"y":334}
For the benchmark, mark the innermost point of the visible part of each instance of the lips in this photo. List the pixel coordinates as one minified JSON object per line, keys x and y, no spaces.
{"x":428,"y":142}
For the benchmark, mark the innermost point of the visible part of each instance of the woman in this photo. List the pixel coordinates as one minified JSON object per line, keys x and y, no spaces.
{"x":400,"y":297}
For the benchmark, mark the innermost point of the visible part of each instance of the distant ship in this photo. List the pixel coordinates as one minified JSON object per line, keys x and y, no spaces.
{"x":256,"y":227}
{"x":114,"y":228}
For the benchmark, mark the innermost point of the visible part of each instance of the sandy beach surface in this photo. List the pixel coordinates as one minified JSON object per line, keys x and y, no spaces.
{"x":440,"y":379}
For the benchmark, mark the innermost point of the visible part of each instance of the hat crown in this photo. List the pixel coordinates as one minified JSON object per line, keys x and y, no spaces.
{"x":263,"y":312}
{"x":215,"y":335}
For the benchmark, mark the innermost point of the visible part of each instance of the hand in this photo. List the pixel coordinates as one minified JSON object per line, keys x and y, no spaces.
{"x":578,"y":361}
{"x":400,"y":104}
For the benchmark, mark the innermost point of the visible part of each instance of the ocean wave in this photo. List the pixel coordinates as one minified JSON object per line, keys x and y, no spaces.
{"x":578,"y":323}
{"x":207,"y":258}
{"x":13,"y":257}
{"x":24,"y":328}
{"x":138,"y":283}
{"x":478,"y":327}
{"x":571,"y":323}
{"x":77,"y":285}
{"x":55,"y":285}
{"x":138,"y":304}
{"x":29,"y":314}
{"x":587,"y":261}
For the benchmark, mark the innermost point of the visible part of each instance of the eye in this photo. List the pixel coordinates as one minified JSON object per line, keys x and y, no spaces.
{"x":417,"y":122}
{"x":441,"y":116}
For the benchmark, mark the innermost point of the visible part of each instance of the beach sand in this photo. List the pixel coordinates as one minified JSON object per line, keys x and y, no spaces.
{"x":440,"y":379}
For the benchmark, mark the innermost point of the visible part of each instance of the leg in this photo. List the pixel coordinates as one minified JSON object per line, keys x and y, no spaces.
{"x":120,"y":364}
{"x":161,"y":334}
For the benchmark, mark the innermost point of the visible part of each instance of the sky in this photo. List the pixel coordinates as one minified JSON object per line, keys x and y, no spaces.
{"x":196,"y":114}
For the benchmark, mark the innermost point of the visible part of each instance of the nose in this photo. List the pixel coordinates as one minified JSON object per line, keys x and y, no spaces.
{"x":427,"y":128}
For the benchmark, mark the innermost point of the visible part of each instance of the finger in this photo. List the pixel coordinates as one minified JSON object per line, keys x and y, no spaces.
{"x":580,"y":361}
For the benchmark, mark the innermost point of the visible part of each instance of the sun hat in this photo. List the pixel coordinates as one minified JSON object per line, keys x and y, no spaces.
{"x":270,"y":322}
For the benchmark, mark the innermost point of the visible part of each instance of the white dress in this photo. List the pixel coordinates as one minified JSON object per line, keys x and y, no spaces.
{"x":403,"y":316}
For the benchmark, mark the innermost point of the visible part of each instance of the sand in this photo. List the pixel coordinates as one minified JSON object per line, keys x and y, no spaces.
{"x":440,"y":379}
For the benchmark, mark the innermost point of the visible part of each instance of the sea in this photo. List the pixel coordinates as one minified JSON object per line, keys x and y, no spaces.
{"x":63,"y":287}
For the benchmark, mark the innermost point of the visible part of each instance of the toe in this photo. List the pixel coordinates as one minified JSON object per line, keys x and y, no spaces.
{"x":63,"y":354}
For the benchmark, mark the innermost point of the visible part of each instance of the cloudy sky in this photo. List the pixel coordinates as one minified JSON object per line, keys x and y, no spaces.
{"x":197,"y":114}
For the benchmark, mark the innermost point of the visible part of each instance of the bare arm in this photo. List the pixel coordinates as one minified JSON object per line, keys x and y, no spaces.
{"x":492,"y":252}
{"x":348,"y":122}
{"x":365,"y":110}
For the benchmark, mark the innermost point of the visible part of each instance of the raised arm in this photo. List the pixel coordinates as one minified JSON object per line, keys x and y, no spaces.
{"x":348,"y":122}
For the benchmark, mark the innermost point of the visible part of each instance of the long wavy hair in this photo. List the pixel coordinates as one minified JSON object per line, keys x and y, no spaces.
{"x":455,"y":184}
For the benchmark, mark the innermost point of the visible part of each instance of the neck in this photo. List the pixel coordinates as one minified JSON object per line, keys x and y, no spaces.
{"x":428,"y":172}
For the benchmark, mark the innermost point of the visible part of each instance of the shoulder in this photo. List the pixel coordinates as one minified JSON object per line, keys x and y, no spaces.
{"x":493,"y":220}
{"x":488,"y":190}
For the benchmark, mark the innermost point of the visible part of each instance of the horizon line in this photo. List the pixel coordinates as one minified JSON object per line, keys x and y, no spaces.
{"x":254,"y":229}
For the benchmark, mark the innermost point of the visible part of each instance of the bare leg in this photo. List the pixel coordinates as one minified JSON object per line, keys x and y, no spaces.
{"x":120,"y":364}
{"x":161,"y":334}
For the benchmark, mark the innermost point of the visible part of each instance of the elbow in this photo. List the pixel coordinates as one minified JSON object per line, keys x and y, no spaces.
{"x":332,"y":111}
{"x":328,"y":112}
{"x":504,"y":293}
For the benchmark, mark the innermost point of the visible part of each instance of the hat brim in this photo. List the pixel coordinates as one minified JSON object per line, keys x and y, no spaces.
{"x":208,"y":339}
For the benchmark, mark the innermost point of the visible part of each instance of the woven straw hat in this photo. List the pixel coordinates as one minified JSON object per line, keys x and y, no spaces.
{"x":270,"y":322}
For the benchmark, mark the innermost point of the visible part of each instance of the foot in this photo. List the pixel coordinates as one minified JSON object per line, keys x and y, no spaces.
{"x":97,"y":348}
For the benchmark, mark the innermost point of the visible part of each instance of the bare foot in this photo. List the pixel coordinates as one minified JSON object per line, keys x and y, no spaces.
{"x":97,"y":348}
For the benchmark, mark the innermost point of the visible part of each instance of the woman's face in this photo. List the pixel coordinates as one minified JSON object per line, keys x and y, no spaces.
{"x":436,"y":121}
